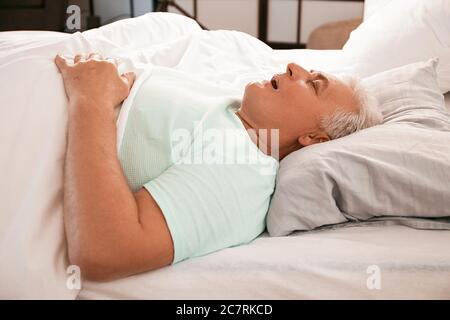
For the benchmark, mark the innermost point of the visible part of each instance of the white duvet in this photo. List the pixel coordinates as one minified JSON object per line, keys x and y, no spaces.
{"x":33,"y":120}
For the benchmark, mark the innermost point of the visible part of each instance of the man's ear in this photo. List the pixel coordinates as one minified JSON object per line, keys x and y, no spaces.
{"x":312,"y":138}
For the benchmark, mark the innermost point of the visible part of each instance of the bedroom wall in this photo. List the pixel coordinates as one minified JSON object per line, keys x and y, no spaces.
{"x":239,"y":15}
{"x":242,"y":15}
{"x":108,"y":9}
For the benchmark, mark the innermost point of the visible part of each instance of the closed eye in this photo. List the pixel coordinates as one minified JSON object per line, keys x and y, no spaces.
{"x":321,"y":83}
{"x":314,"y":85}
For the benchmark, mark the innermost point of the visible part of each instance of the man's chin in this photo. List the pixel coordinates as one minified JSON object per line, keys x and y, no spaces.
{"x":258,"y":84}
{"x":253,"y":91}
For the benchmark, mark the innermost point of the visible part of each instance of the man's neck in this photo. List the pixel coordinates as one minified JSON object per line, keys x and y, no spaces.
{"x":252,"y":133}
{"x":244,"y":122}
{"x":283,"y":150}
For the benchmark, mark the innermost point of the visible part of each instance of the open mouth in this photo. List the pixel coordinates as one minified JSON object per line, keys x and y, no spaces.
{"x":274,"y":83}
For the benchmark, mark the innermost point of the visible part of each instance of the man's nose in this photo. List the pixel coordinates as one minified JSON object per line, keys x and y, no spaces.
{"x":297,"y":72}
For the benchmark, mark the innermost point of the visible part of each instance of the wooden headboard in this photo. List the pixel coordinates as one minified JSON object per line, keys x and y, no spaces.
{"x":32,"y":15}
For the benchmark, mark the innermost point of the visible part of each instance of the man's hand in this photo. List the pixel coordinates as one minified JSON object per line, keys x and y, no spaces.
{"x":95,"y":80}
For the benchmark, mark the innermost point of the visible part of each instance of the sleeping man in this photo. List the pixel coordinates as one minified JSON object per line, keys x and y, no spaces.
{"x":195,"y":171}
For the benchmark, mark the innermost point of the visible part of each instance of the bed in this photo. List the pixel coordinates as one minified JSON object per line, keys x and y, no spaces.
{"x":361,"y":261}
{"x":334,"y":264}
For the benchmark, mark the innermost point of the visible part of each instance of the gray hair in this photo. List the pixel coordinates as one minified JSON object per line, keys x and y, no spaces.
{"x":342,"y":123}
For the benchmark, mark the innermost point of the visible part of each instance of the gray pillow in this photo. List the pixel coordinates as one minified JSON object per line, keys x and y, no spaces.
{"x":398,"y":169}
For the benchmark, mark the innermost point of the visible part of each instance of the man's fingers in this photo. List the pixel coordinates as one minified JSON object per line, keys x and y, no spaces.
{"x":95,"y":55}
{"x":129,"y":79}
{"x":113,"y":61}
{"x":79,"y":57}
{"x":61,"y":63}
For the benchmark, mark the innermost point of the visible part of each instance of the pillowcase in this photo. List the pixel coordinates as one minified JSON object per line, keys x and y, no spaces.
{"x":398,"y":169}
{"x":402,"y":32}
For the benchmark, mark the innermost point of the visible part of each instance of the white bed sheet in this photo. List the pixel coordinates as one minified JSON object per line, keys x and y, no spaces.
{"x":330,"y":264}
{"x":333,"y":264}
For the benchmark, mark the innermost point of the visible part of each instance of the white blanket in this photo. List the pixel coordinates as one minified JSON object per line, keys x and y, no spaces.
{"x":33,"y":119}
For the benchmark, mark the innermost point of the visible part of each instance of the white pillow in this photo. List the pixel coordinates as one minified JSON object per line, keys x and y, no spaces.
{"x":392,"y":171}
{"x":402,"y":32}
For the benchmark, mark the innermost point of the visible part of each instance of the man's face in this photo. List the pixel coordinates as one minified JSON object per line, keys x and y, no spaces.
{"x":295,"y":102}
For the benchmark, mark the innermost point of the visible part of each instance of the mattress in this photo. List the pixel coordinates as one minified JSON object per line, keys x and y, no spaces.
{"x":364,"y":262}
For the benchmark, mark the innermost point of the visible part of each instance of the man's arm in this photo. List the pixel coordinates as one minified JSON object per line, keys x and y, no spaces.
{"x":111,"y":232}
